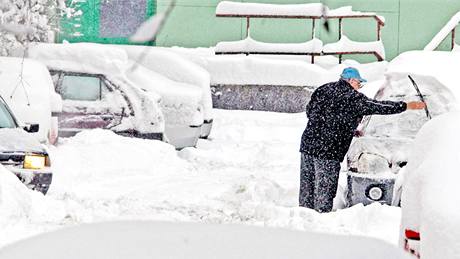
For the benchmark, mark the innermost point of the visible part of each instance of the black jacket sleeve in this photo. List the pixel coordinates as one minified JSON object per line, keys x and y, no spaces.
{"x":368,"y":106}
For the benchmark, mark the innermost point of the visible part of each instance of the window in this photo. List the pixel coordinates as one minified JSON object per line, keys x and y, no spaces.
{"x":81,"y":88}
{"x":6,"y":120}
{"x":121,"y":18}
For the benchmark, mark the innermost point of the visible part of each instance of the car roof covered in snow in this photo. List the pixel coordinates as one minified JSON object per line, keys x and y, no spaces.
{"x":27,"y":88}
{"x":149,"y":239}
{"x":440,"y":65}
{"x":81,"y":57}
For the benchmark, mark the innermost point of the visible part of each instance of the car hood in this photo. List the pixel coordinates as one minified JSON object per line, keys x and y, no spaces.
{"x":376,"y":155}
{"x":17,"y":140}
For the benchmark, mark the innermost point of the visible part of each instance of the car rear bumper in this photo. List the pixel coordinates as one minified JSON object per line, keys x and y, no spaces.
{"x":366,"y":189}
{"x":182,"y":136}
{"x":206,"y":128}
{"x":65,"y":133}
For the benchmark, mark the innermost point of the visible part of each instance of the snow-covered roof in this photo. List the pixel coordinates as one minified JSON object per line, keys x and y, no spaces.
{"x":251,"y":45}
{"x":442,"y":34}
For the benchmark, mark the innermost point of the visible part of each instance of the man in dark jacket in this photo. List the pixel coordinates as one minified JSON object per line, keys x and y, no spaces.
{"x":334,"y":113}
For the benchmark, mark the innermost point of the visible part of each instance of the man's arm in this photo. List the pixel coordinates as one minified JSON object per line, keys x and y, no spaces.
{"x":368,"y":106}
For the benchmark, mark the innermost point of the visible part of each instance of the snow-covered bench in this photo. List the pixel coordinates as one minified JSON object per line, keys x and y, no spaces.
{"x":314,"y":47}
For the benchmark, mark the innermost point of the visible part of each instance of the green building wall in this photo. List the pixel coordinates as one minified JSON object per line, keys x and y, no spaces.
{"x":409,"y":24}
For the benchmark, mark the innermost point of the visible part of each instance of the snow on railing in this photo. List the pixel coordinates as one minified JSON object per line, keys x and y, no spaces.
{"x":311,"y":11}
{"x":252,"y":46}
{"x":347,"y":46}
{"x":444,"y":32}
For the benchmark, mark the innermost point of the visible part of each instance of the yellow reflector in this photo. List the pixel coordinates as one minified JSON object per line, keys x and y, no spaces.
{"x":34,"y":162}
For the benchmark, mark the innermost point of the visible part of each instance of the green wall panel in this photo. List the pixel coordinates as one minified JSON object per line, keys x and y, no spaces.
{"x":190,"y":26}
{"x":86,"y":28}
{"x":420,"y":20}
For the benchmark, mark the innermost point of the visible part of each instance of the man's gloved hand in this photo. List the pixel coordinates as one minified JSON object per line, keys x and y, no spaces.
{"x":416,"y":105}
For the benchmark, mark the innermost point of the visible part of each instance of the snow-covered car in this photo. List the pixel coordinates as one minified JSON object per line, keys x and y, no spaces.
{"x":150,"y":239}
{"x":180,"y":104}
{"x":96,"y":93}
{"x":180,"y":70}
{"x":28,"y":89}
{"x":21,"y":153}
{"x":375,"y":160}
{"x":430,"y":220}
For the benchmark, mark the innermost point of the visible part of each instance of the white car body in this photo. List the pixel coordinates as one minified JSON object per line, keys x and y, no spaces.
{"x":378,"y":157}
{"x":27,"y":87}
{"x":149,"y":239}
{"x":430,"y":223}
{"x":178,"y":69}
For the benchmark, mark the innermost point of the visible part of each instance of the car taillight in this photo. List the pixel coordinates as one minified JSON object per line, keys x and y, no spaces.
{"x":412,"y":242}
{"x":412,"y":235}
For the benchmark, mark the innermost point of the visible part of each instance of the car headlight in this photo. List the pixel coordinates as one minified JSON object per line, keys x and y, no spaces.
{"x":34,"y":161}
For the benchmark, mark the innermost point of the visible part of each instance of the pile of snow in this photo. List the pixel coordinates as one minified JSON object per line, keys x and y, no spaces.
{"x":21,"y":207}
{"x":112,"y":63}
{"x":102,"y":164}
{"x":251,"y":45}
{"x":149,"y":239}
{"x":266,"y":70}
{"x":442,"y":34}
{"x":430,"y":199}
{"x":347,"y":45}
{"x":246,"y":173}
{"x":175,"y":68}
{"x":28,"y":90}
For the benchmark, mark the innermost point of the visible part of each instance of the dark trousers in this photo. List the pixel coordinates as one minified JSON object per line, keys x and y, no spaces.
{"x":319,"y":179}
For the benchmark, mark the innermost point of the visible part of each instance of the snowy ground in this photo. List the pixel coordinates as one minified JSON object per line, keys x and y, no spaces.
{"x":246,"y":173}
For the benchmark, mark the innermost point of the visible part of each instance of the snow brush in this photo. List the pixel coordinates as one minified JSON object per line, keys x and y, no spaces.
{"x":420,"y":96}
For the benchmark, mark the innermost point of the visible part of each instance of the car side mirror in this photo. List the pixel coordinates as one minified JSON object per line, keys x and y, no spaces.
{"x":32,"y":128}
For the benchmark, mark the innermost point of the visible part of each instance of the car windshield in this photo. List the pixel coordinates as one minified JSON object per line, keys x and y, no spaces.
{"x":6,"y":119}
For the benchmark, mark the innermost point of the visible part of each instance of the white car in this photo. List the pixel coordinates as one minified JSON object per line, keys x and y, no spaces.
{"x":149,"y":239}
{"x":27,"y":88}
{"x":375,"y":160}
{"x":180,"y":70}
{"x":430,"y":224}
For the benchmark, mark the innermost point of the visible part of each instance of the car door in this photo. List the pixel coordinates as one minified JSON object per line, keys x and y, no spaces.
{"x":89,"y":101}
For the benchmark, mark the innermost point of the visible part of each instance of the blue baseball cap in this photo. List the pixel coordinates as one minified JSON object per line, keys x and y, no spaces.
{"x":351,"y":72}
